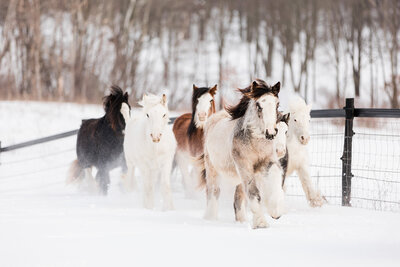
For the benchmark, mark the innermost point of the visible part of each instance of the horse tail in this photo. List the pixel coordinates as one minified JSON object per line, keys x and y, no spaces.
{"x":74,"y":172}
{"x":125,"y":112}
{"x":202,"y":174}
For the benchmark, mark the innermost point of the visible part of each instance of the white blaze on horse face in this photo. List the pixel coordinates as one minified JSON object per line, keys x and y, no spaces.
{"x":299,"y":125}
{"x":280,"y":139}
{"x":202,"y":109}
{"x":157,"y":119}
{"x":268,"y":104}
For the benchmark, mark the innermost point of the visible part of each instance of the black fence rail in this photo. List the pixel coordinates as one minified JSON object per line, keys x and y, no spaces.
{"x":347,"y":118}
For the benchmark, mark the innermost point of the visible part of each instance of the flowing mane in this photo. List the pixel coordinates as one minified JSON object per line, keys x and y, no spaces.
{"x":297,"y":104}
{"x":100,"y":143}
{"x":112,"y":105}
{"x":254,"y":91}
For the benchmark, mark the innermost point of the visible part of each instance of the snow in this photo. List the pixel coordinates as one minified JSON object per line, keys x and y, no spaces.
{"x":43,"y":222}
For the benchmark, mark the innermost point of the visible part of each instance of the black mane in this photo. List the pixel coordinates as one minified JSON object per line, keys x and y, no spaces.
{"x":112,"y":106}
{"x":100,"y":141}
{"x":254,"y":91}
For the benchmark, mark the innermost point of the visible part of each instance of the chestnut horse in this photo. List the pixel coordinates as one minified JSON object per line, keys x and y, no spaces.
{"x":188,"y":130}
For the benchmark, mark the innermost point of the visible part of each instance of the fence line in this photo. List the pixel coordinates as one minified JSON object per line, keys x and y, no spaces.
{"x":348,"y":114}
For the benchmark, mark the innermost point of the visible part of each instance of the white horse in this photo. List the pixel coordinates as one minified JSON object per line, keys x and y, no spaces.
{"x":280,"y":140}
{"x":297,"y":154}
{"x":240,"y":148}
{"x":150,"y":145}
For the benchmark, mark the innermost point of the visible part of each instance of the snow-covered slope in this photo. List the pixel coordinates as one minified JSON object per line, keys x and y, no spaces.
{"x":43,"y":222}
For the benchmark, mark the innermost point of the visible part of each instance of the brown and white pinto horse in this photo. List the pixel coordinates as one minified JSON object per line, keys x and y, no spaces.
{"x":188,"y":130}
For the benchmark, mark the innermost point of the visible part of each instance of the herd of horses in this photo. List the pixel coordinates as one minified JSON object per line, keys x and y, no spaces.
{"x":251,"y":145}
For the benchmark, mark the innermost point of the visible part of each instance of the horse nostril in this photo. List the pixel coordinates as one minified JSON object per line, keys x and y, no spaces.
{"x":302,"y":137}
{"x":276,"y":218}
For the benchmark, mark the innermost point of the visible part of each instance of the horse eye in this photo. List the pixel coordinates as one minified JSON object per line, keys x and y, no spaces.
{"x":295,"y":120}
{"x":164,"y":115}
{"x":286,"y":132}
{"x":147,"y":115}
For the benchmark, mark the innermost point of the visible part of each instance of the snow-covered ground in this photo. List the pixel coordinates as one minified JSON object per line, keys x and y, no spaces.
{"x":43,"y":222}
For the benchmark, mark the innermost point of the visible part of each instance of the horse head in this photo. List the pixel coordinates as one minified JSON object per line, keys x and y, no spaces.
{"x":280,"y":139}
{"x":203,"y":105}
{"x":299,"y":122}
{"x":259,"y":105}
{"x":157,"y":115}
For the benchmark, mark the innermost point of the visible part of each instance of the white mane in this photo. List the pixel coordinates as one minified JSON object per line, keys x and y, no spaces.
{"x":150,"y":101}
{"x":297,"y":104}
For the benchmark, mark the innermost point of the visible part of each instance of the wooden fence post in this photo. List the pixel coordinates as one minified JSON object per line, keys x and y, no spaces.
{"x":347,"y":152}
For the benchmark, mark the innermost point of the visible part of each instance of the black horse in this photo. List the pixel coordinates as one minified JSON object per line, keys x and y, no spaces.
{"x":100,"y":141}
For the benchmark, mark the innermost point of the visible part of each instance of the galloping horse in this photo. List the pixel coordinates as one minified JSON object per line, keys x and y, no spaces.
{"x":188,"y":130}
{"x":240,"y":146}
{"x":150,"y":145}
{"x":100,"y":142}
{"x":296,"y":158}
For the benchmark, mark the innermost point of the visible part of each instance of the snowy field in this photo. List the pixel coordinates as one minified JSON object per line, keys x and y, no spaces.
{"x":43,"y":222}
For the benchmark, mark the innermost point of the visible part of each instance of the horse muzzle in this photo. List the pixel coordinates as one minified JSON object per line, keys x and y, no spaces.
{"x":304,"y":139}
{"x":156,"y":138}
{"x":271,"y":136}
{"x":202,"y":116}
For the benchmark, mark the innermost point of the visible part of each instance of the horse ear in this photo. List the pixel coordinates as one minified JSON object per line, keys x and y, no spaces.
{"x":126,"y":96}
{"x":276,"y":88}
{"x":164,"y":100}
{"x":286,"y":117}
{"x":143,"y":101}
{"x":195,"y":87}
{"x":254,"y":85}
{"x":213,"y":90}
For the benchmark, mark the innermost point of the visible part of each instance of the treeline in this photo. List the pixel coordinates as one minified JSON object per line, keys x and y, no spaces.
{"x":72,"y":50}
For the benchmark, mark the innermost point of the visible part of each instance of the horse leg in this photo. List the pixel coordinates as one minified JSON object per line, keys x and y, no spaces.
{"x":259,"y":220}
{"x":166,"y":187}
{"x":244,"y":169}
{"x":313,"y":196}
{"x":212,"y":190}
{"x":128,"y":179}
{"x":183,"y":165}
{"x":103,"y":179}
{"x":239,"y":204}
{"x":273,"y":192}
{"x":148,"y":182}
{"x":90,"y":181}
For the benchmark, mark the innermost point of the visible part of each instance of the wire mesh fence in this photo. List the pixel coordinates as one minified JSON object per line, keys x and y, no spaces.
{"x":375,"y":164}
{"x":325,"y":150}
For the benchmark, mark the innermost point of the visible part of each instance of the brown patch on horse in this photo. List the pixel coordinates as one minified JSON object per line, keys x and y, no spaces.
{"x":188,"y":136}
{"x":179,"y":128}
{"x":261,"y":163}
{"x":257,"y":89}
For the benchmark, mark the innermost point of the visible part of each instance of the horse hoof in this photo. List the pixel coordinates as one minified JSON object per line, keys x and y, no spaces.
{"x":318,"y":201}
{"x":260,"y":222}
{"x":240,"y":219}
